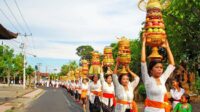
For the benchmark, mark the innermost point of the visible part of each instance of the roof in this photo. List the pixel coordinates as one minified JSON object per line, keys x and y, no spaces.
{"x":6,"y":34}
{"x":42,"y":74}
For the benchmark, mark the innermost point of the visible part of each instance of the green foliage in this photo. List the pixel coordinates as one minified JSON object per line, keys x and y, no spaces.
{"x":84,"y":51}
{"x":198,"y":84}
{"x":6,"y":62}
{"x":66,"y":68}
{"x":29,"y":70}
{"x":9,"y":110}
{"x":183,"y":30}
{"x":10,"y":64}
{"x":141,"y":90}
{"x":18,"y":64}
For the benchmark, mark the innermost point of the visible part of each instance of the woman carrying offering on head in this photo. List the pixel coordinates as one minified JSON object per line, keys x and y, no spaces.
{"x":108,"y":92}
{"x":154,"y":80}
{"x":124,"y":90}
{"x":95,"y":93}
{"x":84,"y":92}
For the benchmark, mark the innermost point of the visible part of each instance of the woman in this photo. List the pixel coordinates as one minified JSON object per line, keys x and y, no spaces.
{"x":108,"y":96}
{"x":95,"y":94}
{"x":76,"y":90}
{"x":79,"y":88}
{"x":154,"y":80}
{"x":72,"y":88}
{"x":124,"y":90}
{"x":84,"y":92}
{"x":176,"y":92}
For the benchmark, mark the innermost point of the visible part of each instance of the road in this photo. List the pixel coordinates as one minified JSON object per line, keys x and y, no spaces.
{"x":54,"y":100}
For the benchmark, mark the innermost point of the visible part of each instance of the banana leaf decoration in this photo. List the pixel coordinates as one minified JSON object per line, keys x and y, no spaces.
{"x":143,"y":4}
{"x":95,"y":67}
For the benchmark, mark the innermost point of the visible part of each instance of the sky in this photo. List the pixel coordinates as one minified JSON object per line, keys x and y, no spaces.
{"x":58,"y":27}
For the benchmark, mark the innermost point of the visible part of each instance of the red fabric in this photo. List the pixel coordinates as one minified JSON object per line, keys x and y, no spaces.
{"x":177,"y":100}
{"x":109,"y":95}
{"x":165,"y":105}
{"x":95,"y":63}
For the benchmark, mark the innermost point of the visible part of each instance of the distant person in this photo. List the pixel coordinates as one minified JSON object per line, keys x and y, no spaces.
{"x":184,"y":105}
{"x":176,"y":92}
{"x":84,"y":92}
{"x":79,"y":89}
{"x":72,"y":88}
{"x":57,"y":84}
{"x":76,"y":90}
{"x":95,"y":90}
{"x":47,"y":82}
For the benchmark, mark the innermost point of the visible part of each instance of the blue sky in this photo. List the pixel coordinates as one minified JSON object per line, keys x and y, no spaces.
{"x":60,"y":26}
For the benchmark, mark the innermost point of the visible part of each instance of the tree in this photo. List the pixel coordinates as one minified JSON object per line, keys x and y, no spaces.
{"x":183,"y":30}
{"x":73,"y":65}
{"x":84,"y":51}
{"x":66,"y":68}
{"x":29,"y":72}
{"x":18,"y":66}
{"x":6,"y":62}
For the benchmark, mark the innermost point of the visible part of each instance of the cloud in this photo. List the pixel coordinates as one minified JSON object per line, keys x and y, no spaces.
{"x":59,"y":27}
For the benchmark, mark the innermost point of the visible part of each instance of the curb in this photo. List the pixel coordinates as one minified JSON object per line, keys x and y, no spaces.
{"x":22,"y":103}
{"x":18,"y":96}
{"x":25,"y":93}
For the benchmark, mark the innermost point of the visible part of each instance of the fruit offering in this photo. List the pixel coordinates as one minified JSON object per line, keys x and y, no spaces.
{"x":95,"y":63}
{"x":85,"y":67}
{"x":108,"y":57}
{"x":124,"y":51}
{"x":154,"y":28}
{"x":77,"y":72}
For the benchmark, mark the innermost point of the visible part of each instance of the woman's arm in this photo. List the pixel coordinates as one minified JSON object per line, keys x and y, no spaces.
{"x":169,"y":53}
{"x":171,"y":66}
{"x":114,"y":76}
{"x":144,"y":71}
{"x":143,"y":52}
{"x":136,"y":78}
{"x":132,"y":73}
{"x":101,"y":75}
{"x":116,"y":66}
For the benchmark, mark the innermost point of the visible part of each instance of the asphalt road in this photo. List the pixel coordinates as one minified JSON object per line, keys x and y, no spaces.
{"x":54,"y":100}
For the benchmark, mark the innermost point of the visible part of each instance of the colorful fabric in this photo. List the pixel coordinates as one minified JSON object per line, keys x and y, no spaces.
{"x":176,"y":95}
{"x":179,"y":108}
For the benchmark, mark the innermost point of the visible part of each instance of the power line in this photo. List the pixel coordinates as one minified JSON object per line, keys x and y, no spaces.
{"x":12,"y":45}
{"x":14,"y":16}
{"x":15,"y":41}
{"x":22,"y":16}
{"x":9,"y":20}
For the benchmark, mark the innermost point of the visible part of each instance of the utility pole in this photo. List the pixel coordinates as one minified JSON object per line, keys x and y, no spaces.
{"x":23,"y":47}
{"x":39,"y":68}
{"x":35,"y":77}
